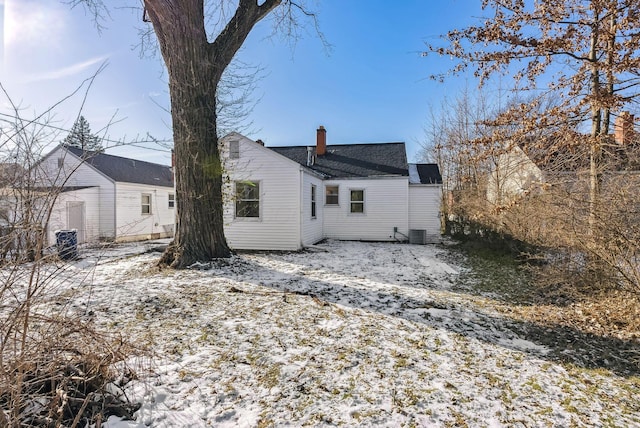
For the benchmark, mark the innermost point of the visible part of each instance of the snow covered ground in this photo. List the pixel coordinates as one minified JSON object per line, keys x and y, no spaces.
{"x":345,"y":334}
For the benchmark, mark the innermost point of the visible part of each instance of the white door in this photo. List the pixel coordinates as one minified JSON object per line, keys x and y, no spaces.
{"x":75,"y":218}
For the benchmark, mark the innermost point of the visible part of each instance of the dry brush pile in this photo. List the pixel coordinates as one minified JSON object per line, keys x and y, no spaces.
{"x":56,"y":368}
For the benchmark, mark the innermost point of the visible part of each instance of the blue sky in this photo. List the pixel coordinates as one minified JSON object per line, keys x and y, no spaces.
{"x":372,"y":86}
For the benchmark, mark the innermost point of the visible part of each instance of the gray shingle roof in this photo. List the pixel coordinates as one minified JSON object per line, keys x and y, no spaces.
{"x":352,"y":160}
{"x":127,"y":170}
{"x":424,"y":173}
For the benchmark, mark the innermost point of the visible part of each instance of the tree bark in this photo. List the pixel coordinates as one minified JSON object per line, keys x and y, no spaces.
{"x":195,"y":68}
{"x":596,"y":127}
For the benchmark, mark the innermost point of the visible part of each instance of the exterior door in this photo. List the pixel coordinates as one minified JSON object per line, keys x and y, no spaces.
{"x":75,"y":218}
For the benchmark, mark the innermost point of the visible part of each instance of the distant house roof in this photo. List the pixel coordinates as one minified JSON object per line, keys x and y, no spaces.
{"x":563,"y":153}
{"x":74,"y":188}
{"x":49,"y":189}
{"x":127,"y":170}
{"x":561,"y":156}
{"x":352,"y":160}
{"x":424,"y":173}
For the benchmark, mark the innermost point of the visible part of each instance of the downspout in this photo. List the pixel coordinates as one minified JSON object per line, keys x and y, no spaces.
{"x":408,"y":205}
{"x":406,"y":217}
{"x":301,"y":210}
{"x":155,"y":215}
{"x":115,"y":212}
{"x":302,"y":203}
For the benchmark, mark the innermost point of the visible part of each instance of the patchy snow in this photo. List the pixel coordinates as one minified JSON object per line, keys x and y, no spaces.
{"x":349,"y":333}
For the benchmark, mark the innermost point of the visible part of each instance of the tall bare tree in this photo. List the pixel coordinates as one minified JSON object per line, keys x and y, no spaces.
{"x":584,"y":51}
{"x":195,"y":67}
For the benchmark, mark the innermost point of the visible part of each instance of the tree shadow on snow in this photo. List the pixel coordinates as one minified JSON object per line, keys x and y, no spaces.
{"x":554,"y":343}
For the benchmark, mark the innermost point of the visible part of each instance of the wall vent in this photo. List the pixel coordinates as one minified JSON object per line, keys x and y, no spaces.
{"x":417,"y":236}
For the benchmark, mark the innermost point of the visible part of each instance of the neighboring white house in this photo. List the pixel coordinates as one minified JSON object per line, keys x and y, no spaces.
{"x":285,"y":198}
{"x":533,"y":164}
{"x":107,"y":197}
{"x":515,"y":173}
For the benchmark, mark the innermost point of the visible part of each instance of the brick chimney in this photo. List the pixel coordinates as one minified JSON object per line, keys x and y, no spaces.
{"x":321,"y":141}
{"x":623,"y":128}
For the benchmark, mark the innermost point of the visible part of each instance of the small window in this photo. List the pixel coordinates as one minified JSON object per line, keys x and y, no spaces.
{"x":60,"y":163}
{"x":234,"y":149}
{"x":331,"y":195}
{"x":357,"y":201}
{"x":146,"y":203}
{"x":172,"y":200}
{"x":313,"y":201}
{"x":247,"y":199}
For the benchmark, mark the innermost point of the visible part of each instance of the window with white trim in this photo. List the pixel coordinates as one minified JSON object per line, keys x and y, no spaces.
{"x":356,"y":201}
{"x":331,"y":195}
{"x":234,"y":149}
{"x":146,"y":203}
{"x":172,"y":200}
{"x":247,"y":199}
{"x":313,"y":201}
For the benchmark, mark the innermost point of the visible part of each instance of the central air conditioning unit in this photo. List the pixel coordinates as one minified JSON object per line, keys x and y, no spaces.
{"x":417,"y":236}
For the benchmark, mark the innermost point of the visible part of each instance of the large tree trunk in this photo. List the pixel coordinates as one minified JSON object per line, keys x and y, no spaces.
{"x":198,"y":175}
{"x":193,"y":78}
{"x":195,"y":68}
{"x":596,"y":128}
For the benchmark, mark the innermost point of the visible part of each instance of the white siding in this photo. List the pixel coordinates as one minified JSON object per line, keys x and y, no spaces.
{"x":280,"y":181}
{"x":131,"y":223}
{"x":312,"y":227}
{"x":385,"y":207}
{"x":424,"y":209}
{"x":75,"y":173}
{"x":59,"y":214}
{"x":514,"y":174}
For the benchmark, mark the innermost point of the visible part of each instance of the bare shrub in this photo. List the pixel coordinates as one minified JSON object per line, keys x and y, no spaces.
{"x":56,"y":367}
{"x":66,"y":372}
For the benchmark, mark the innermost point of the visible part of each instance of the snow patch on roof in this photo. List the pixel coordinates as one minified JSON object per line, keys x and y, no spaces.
{"x":414,"y":177}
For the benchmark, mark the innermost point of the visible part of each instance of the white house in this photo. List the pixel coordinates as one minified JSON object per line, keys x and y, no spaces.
{"x":534,"y":164}
{"x":425,"y":196}
{"x":285,"y":198}
{"x":106,"y":197}
{"x":514,"y":174}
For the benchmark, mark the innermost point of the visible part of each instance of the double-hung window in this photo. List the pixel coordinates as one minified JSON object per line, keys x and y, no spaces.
{"x":234,"y":149}
{"x":172,"y":200}
{"x":146,"y":203}
{"x":313,"y":201}
{"x":248,"y":199}
{"x":331,"y":195}
{"x":357,"y":201}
